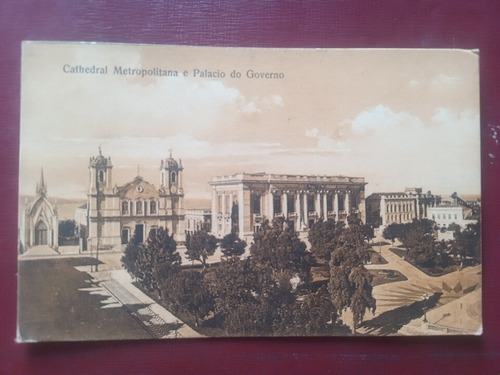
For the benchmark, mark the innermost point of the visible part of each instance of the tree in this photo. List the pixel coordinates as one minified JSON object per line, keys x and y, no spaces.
{"x":350,"y":282}
{"x":131,"y":255}
{"x":235,"y":287}
{"x":153,"y":262}
{"x":201,"y":246}
{"x":162,"y":257}
{"x":232,"y":245}
{"x":468,"y":244}
{"x":277,"y":248}
{"x":312,"y":315}
{"x":189,"y":290}
{"x":66,"y":228}
{"x":415,"y":232}
{"x":323,"y":237}
{"x":392,"y":231}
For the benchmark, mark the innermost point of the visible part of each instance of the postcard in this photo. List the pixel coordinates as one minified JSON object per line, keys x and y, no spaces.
{"x":183,"y":192}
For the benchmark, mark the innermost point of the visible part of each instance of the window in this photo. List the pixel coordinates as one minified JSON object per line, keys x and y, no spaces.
{"x":173,"y":177}
{"x":277,"y":204}
{"x":101,"y":176}
{"x":455,"y":216}
{"x":124,"y":208}
{"x":256,"y":203}
{"x":138,"y":208}
{"x":145,"y":208}
{"x":152,"y":207}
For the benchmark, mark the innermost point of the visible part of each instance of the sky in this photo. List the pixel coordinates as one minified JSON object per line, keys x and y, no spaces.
{"x":398,"y":118}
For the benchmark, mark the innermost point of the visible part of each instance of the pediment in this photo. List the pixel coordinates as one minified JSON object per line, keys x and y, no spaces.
{"x":138,"y":189}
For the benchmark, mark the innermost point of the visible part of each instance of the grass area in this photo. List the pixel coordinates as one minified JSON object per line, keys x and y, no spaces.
{"x":433,"y":272}
{"x":386,"y":276}
{"x":376,"y":258}
{"x":52,"y":308}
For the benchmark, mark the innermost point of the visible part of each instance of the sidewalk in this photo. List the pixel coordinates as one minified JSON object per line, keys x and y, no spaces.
{"x":153,"y":315}
{"x":158,"y":321}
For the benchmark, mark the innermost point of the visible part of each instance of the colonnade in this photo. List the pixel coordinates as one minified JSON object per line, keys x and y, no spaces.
{"x":301,"y":206}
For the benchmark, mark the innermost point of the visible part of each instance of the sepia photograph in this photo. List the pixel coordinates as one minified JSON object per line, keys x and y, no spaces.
{"x":190,"y":192}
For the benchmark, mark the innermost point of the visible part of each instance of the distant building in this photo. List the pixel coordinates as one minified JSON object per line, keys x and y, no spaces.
{"x":114,"y":214}
{"x":446,"y":214}
{"x":39,"y":223}
{"x":197,"y":220}
{"x":385,"y":208}
{"x":241,"y":202}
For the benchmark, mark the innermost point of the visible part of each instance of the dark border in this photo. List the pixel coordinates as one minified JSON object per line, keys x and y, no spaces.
{"x":367,"y":24}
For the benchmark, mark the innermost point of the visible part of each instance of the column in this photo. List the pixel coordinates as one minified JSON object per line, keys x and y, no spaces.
{"x":325,"y":206}
{"x":318,"y":204}
{"x":383,"y":211}
{"x":297,"y":211}
{"x":223,"y":214}
{"x":346,"y":204}
{"x":336,"y":205}
{"x":230,"y":209}
{"x":284,"y":205}
{"x":306,"y":214}
{"x":270,"y":205}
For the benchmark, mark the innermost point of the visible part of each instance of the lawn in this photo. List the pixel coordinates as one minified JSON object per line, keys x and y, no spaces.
{"x":438,"y":271}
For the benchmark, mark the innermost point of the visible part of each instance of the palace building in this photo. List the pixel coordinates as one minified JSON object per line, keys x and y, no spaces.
{"x":40,"y":222}
{"x":241,"y":202}
{"x":114,"y":214}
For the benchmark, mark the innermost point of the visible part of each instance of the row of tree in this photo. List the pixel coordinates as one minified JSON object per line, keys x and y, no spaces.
{"x":418,"y":237}
{"x":262,"y":294}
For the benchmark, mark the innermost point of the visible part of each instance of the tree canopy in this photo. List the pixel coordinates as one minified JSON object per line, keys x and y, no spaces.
{"x":201,"y":246}
{"x":232,"y":245}
{"x":153,"y":261}
{"x":350,"y":282}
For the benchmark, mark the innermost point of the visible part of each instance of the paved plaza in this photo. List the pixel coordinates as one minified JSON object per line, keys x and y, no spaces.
{"x":403,"y":302}
{"x":62,"y":297}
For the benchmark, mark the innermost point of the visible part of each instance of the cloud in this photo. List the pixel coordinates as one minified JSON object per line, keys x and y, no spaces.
{"x":443,"y":81}
{"x":312,"y":133}
{"x":381,"y":118}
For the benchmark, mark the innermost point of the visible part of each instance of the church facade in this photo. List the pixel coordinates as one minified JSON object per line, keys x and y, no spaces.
{"x":241,"y":202}
{"x":39,"y":224}
{"x":116,"y":213}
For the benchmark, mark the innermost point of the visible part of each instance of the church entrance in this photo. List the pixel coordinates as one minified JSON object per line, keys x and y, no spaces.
{"x":139,"y":232}
{"x":41,"y":234}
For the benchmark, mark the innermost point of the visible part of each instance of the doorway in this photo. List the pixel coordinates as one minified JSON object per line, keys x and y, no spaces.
{"x":41,"y":234}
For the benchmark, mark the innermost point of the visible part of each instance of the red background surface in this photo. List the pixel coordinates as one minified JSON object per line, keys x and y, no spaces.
{"x":397,"y":23}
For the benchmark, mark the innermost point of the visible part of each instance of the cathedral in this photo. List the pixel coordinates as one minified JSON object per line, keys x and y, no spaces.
{"x":39,"y":222}
{"x":115,"y":213}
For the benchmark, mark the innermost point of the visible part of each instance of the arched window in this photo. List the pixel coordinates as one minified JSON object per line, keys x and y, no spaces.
{"x":152,"y":207}
{"x":101,"y":176}
{"x":138,"y":208}
{"x":125,"y":208}
{"x":173,"y":177}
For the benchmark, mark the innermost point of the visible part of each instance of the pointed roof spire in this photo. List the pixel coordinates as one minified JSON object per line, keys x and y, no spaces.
{"x":41,"y":188}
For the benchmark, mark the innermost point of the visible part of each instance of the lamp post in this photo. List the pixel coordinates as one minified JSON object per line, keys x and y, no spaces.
{"x":426,"y":298}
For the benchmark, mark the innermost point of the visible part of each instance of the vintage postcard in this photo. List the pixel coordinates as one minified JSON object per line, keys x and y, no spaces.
{"x":181,"y":192}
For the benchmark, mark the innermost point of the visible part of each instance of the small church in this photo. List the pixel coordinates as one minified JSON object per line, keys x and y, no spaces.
{"x":116,"y":213}
{"x":39,"y":225}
